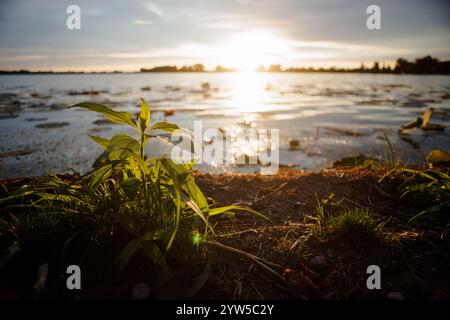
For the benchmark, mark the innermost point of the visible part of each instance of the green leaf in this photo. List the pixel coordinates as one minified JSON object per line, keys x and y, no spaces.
{"x":122,"y":146}
{"x":229,"y":209}
{"x":100,"y":175}
{"x":114,"y":116}
{"x":144,"y":116}
{"x":100,"y":141}
{"x":195,"y":208}
{"x":127,"y":253}
{"x":18,"y":195}
{"x":165,"y":126}
{"x":131,"y":186}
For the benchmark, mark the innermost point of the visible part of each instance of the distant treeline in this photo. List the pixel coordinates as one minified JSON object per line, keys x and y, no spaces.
{"x":193,"y":68}
{"x":22,"y":71}
{"x":425,"y":65}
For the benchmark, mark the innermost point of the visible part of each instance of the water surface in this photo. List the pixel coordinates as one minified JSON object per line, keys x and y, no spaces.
{"x":331,"y":115}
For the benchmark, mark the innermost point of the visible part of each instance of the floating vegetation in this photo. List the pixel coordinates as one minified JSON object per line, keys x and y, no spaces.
{"x":35,"y":119}
{"x":103,"y":122}
{"x":344,"y":132}
{"x":168,"y":113}
{"x":16,"y":153}
{"x":91,"y":92}
{"x":294,"y":144}
{"x":438,"y":157}
{"x":51,"y":125}
{"x":8,"y":116}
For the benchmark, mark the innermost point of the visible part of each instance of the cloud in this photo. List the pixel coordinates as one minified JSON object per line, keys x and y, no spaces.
{"x":20,"y":58}
{"x":139,"y":22}
{"x":154,"y":8}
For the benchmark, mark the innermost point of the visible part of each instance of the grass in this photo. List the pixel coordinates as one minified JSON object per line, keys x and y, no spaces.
{"x":431,"y":186}
{"x":357,"y":227}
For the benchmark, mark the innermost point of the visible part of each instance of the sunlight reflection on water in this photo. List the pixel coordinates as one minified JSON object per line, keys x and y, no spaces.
{"x":321,"y":111}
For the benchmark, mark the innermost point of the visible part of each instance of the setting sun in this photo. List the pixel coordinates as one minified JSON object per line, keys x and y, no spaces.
{"x":245,"y":51}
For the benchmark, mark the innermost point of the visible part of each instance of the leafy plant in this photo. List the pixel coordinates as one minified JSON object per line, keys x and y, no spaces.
{"x":323,"y":206}
{"x":154,"y":203}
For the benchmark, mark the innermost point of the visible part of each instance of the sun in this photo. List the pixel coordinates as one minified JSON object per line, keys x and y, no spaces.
{"x":245,"y":51}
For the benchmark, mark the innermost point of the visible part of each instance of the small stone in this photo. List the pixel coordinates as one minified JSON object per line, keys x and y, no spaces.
{"x":141,"y":291}
{"x":319,"y":262}
{"x":394,"y":295}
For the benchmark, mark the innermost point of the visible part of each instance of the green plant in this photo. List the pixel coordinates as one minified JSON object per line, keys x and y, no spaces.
{"x":431,"y":185}
{"x":357,"y":226}
{"x":325,"y":208}
{"x":156,"y":179}
{"x":153,"y":205}
{"x":390,"y":157}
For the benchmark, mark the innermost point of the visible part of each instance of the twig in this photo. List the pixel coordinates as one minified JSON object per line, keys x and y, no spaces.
{"x":353,"y":202}
{"x":271,"y":194}
{"x":238,"y":232}
{"x":259,"y":261}
{"x":256,"y":290}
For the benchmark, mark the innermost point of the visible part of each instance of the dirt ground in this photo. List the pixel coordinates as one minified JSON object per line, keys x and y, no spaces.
{"x":308,"y":263}
{"x":293,"y":256}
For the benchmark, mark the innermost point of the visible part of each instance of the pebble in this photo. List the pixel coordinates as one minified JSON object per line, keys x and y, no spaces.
{"x":394,"y":295}
{"x":141,"y":291}
{"x":319,"y":262}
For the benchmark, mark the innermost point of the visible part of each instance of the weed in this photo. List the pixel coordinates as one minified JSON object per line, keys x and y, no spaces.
{"x":357,"y":226}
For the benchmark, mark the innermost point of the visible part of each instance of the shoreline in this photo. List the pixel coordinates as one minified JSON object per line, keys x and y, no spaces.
{"x":313,"y":260}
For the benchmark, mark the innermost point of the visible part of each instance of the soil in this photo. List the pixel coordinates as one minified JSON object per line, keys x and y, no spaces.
{"x":414,"y":258}
{"x":290,"y":257}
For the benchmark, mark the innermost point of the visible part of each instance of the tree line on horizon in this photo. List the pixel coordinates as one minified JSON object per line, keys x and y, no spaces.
{"x":425,"y":65}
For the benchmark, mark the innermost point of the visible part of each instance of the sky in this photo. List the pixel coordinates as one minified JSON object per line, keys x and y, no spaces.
{"x":128,"y":35}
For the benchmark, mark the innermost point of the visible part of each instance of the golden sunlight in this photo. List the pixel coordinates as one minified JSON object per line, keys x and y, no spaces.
{"x":248,"y":91}
{"x":245,"y":51}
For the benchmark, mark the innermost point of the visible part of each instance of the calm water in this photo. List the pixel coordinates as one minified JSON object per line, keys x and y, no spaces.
{"x":332,"y":115}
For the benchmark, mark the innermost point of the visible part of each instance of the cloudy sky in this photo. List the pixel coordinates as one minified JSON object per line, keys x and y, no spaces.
{"x":128,"y":35}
